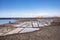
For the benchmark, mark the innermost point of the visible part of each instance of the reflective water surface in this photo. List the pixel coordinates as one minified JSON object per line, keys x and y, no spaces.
{"x":6,"y":21}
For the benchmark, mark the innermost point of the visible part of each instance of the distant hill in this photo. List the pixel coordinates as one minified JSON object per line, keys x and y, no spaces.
{"x":47,"y":17}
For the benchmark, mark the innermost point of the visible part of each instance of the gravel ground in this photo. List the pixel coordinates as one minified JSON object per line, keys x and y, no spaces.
{"x":46,"y":33}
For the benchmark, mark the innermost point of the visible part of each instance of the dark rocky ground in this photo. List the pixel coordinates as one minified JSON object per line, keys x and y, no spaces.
{"x":46,"y":33}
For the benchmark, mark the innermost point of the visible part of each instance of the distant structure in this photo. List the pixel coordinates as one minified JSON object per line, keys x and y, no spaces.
{"x":9,"y":22}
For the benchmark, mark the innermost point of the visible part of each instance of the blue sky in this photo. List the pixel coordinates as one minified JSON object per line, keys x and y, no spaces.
{"x":29,"y":8}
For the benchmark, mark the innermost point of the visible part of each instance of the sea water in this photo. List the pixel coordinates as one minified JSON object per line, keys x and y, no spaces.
{"x":6,"y":21}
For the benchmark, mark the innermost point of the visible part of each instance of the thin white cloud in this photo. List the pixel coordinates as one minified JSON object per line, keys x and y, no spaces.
{"x":33,"y":13}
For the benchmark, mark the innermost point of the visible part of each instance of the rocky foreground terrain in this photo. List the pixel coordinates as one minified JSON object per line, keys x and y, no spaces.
{"x":46,"y":33}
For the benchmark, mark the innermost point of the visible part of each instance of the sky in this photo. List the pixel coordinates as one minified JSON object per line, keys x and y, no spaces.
{"x":29,"y":8}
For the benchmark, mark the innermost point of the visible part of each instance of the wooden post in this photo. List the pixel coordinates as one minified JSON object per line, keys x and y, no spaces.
{"x":32,"y":24}
{"x":38,"y":23}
